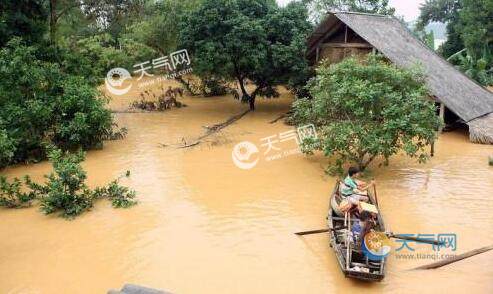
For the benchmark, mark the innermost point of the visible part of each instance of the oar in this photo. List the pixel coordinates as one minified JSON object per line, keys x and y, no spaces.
{"x":312,"y":232}
{"x":390,"y":235}
{"x":375,"y":190}
{"x":402,"y":237}
{"x":456,"y":258}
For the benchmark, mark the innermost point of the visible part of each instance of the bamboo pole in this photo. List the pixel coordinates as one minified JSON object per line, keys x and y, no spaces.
{"x":456,"y":258}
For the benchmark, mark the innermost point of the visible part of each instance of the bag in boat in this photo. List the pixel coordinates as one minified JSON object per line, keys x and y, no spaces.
{"x":345,"y":206}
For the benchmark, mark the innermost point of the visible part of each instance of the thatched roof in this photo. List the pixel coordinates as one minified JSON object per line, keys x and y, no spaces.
{"x":459,"y":93}
{"x":481,"y":129}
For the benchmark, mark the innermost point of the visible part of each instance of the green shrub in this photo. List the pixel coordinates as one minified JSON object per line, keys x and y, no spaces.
{"x":40,"y":103}
{"x":7,"y":148}
{"x":65,"y":190}
{"x":11,"y":195}
{"x":120,"y":196}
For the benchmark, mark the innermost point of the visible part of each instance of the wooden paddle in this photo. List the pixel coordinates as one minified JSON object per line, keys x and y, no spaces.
{"x":375,"y":190}
{"x":402,"y":237}
{"x":390,"y":235}
{"x":455,"y":258}
{"x":312,"y":232}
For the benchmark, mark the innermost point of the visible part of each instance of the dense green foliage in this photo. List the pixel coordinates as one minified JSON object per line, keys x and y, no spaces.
{"x":11,"y":194}
{"x":469,"y":42}
{"x":248,"y":40}
{"x":53,"y":55}
{"x":40,"y":103}
{"x":22,"y":18}
{"x":120,"y":196}
{"x":365,"y":110}
{"x":159,"y":27}
{"x":65,"y":191}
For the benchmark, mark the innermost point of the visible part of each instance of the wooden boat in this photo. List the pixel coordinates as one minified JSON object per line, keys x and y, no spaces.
{"x":352,"y":261}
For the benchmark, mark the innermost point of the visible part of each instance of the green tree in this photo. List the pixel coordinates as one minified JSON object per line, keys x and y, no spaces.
{"x":365,"y":110}
{"x":248,"y":40}
{"x":22,"y":18}
{"x":469,"y":42}
{"x":445,"y":11}
{"x":160,"y":26}
{"x":477,"y":29}
{"x":40,"y":103}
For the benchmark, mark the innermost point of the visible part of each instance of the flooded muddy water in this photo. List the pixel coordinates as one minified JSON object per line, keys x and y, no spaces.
{"x":203,"y":225}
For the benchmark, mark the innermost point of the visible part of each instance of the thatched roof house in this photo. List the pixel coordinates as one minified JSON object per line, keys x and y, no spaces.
{"x":344,"y":33}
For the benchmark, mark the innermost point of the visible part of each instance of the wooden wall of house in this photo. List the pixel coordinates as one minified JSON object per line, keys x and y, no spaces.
{"x":343,"y":43}
{"x":337,"y":54}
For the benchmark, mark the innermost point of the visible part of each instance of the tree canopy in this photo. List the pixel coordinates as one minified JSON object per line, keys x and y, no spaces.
{"x":251,"y":40}
{"x":469,"y":42}
{"x":365,"y":110}
{"x":22,"y":18}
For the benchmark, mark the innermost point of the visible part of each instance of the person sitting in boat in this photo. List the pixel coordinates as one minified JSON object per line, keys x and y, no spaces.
{"x":356,"y":190}
{"x":363,"y":226}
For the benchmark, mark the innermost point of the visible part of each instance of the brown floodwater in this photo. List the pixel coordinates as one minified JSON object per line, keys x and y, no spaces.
{"x":203,"y":225}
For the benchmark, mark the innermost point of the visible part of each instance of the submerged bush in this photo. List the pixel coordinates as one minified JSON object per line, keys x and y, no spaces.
{"x":120,"y":196}
{"x":11,"y":195}
{"x":64,"y":191}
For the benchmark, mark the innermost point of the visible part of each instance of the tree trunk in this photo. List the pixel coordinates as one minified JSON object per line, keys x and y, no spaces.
{"x":53,"y":21}
{"x":363,"y":164}
{"x":244,"y":93}
{"x":252,"y":102}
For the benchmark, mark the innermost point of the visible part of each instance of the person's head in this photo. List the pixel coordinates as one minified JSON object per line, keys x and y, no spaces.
{"x":353,"y":171}
{"x":364,"y":216}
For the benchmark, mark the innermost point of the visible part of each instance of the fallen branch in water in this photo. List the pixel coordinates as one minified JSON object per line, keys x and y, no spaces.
{"x":217,"y":127}
{"x":281,"y":117}
{"x":210,"y":131}
{"x":278,"y":118}
{"x":189,"y":145}
{"x":455,"y":258}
